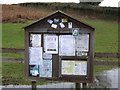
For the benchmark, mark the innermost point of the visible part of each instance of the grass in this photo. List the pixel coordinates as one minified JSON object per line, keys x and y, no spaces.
{"x":18,"y":14}
{"x":101,"y":68}
{"x":106,"y":35}
{"x":13,"y":55}
{"x":13,"y":35}
{"x":106,"y":40}
{"x":13,"y":73}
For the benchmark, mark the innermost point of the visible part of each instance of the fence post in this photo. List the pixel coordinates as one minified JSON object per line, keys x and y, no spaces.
{"x":84,"y":85}
{"x":77,"y":86}
{"x":33,"y":85}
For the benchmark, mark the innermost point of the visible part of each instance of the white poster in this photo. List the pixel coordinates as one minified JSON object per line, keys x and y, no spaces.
{"x":82,"y":42}
{"x":35,"y":40}
{"x":66,"y":45}
{"x":35,"y":56}
{"x":46,"y":69}
{"x":69,"y":24}
{"x":74,"y":67}
{"x":54,"y":25}
{"x":51,"y":44}
{"x":50,"y":21}
{"x":47,"y":56}
{"x":62,"y":25}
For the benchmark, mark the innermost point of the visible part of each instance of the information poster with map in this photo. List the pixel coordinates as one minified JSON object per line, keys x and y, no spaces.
{"x":46,"y":69}
{"x":74,"y":67}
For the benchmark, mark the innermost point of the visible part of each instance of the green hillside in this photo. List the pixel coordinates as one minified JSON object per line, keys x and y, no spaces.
{"x":106,"y":40}
{"x":106,"y":35}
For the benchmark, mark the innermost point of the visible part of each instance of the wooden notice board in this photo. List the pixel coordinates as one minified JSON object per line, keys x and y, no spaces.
{"x":59,"y":48}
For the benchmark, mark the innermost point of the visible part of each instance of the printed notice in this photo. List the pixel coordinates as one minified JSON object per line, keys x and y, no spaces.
{"x":69,"y":24}
{"x":74,"y":67}
{"x":35,"y":55}
{"x":46,"y":69}
{"x":82,"y":42}
{"x":62,"y":25}
{"x":54,"y":26}
{"x":51,"y":44}
{"x":50,"y":21}
{"x":66,"y":45}
{"x":35,"y":40}
{"x":47,"y":56}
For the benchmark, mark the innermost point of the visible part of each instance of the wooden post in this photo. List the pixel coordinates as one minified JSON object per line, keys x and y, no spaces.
{"x":33,"y":85}
{"x":77,"y":86}
{"x":84,"y":85}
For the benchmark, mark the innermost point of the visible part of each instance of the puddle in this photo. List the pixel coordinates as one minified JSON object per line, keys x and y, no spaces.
{"x":107,"y":79}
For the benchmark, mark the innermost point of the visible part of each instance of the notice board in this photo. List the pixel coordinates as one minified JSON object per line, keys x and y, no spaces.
{"x":59,"y":48}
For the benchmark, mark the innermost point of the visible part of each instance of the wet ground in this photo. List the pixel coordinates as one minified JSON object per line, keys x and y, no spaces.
{"x":107,"y":79}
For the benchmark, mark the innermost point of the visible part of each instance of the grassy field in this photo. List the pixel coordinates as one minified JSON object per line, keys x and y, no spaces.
{"x":14,"y":76}
{"x":106,"y":40}
{"x":106,"y":35}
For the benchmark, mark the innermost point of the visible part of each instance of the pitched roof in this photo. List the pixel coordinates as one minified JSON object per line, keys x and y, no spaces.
{"x":59,"y":12}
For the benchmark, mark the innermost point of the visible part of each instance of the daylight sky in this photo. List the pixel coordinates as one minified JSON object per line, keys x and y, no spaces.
{"x":111,"y":3}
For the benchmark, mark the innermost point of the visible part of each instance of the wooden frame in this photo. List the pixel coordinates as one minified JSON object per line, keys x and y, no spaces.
{"x":56,"y":59}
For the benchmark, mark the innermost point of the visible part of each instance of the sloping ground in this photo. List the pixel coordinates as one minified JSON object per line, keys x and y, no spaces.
{"x":18,"y":14}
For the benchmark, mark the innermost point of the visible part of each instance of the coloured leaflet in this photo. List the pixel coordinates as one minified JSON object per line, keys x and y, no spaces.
{"x":46,"y":69}
{"x":34,"y":70}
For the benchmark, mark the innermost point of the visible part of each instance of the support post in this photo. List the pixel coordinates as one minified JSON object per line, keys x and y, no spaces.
{"x":77,"y":86}
{"x":33,"y":85}
{"x":84,"y":85}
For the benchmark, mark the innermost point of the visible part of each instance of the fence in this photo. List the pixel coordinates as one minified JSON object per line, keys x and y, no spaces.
{"x":96,"y":55}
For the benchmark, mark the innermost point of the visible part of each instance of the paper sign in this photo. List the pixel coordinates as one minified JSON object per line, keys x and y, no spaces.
{"x":54,"y":26}
{"x":35,"y":55}
{"x":79,"y":53}
{"x":50,"y":21}
{"x":66,"y":45}
{"x":34,"y":70}
{"x":62,"y":25}
{"x":51,"y":44}
{"x":64,"y":20}
{"x":56,"y":20}
{"x":46,"y":69}
{"x":74,"y":67}
{"x":69,"y":24}
{"x":82,"y":42}
{"x":75,"y":32}
{"x":35,"y":40}
{"x":47,"y":56}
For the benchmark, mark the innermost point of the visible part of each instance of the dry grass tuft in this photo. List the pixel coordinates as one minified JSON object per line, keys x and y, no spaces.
{"x":18,"y":14}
